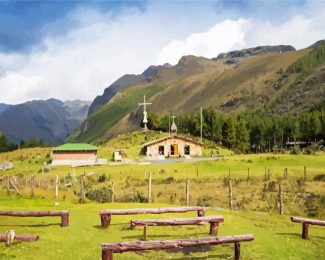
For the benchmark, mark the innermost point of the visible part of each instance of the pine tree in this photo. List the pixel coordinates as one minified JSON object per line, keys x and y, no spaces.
{"x":242,"y":136}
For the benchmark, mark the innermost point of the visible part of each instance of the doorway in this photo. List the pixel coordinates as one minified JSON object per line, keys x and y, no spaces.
{"x":174,"y":149}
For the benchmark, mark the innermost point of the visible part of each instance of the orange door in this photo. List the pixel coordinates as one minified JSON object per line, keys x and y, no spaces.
{"x":175,"y":149}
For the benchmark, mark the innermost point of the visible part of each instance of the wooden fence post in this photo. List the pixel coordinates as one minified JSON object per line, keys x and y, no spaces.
{"x":113,"y":192}
{"x":82,"y":192}
{"x":230,"y":195}
{"x":56,"y":196}
{"x":8,"y":185}
{"x":149,"y":188}
{"x":187,"y":192}
{"x":32,"y":186}
{"x":280,"y":200}
{"x":248,"y":174}
{"x":265,"y":179}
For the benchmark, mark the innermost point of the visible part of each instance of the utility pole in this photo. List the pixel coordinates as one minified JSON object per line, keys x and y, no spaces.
{"x":201,"y":120}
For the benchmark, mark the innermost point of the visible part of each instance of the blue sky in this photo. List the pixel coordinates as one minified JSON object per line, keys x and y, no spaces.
{"x":74,"y":49}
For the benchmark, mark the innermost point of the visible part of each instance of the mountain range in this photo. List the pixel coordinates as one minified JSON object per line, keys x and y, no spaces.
{"x":48,"y":120}
{"x":275,"y":79}
{"x":253,"y":78}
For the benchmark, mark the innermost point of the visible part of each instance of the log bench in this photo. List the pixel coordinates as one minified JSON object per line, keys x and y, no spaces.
{"x":109,"y":248}
{"x":64,"y":214}
{"x":212,"y":220}
{"x":305,"y":223}
{"x":106,"y":215}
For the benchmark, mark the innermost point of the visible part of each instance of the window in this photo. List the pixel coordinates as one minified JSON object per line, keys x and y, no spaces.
{"x":161,"y":150}
{"x":187,"y":150}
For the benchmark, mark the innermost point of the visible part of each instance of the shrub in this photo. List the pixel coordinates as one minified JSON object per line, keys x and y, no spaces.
{"x":102,"y":178}
{"x":204,"y":201}
{"x":102,"y":195}
{"x":319,"y":177}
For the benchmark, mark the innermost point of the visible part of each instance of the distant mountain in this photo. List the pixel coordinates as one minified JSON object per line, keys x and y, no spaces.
{"x":274,"y":79}
{"x":78,"y":109}
{"x":48,"y":120}
{"x":3,"y":107}
{"x":187,"y":65}
{"x":316,"y":44}
{"x":254,"y":51}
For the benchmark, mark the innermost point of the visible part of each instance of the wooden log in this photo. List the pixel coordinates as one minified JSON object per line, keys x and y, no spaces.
{"x":56,"y":196}
{"x":149,"y":187}
{"x":187,"y":192}
{"x":280,"y":200}
{"x":304,"y":234}
{"x":64,"y":214}
{"x":230,"y":195}
{"x":113,"y":192}
{"x":151,"y":210}
{"x":214,"y":227}
{"x":82,"y":192}
{"x":15,"y":187}
{"x":105,"y":220}
{"x":177,"y":221}
{"x":167,"y":244}
{"x":21,"y":238}
{"x":305,"y":224}
{"x":105,"y":215}
{"x":237,"y":250}
{"x":309,"y":221}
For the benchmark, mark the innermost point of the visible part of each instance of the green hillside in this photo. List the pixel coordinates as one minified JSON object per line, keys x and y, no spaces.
{"x":97,"y":125}
{"x":275,"y":82}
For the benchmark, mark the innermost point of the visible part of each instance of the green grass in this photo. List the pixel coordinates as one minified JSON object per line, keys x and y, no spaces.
{"x":98,"y":124}
{"x":275,"y":236}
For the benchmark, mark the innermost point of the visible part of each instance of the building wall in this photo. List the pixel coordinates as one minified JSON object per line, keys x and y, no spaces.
{"x":153,"y":150}
{"x":74,"y":155}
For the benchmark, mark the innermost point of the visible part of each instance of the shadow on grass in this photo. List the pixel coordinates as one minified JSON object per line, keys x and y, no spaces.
{"x":222,"y":256}
{"x":30,"y":225}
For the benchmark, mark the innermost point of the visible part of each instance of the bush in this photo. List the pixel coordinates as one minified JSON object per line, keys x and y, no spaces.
{"x":102,"y":195}
{"x":204,"y":201}
{"x":102,"y":178}
{"x":319,"y":177}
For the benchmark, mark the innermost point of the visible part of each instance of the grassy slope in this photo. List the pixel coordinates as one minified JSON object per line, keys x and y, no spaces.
{"x":97,"y":124}
{"x":275,"y":236}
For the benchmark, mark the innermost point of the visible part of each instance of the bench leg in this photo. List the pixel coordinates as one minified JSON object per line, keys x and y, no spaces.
{"x":105,"y":220}
{"x":65,"y":220}
{"x":214,"y":228}
{"x":200,"y":213}
{"x":107,"y":254}
{"x":304,"y":230}
{"x":237,"y":250}
{"x":144,"y":233}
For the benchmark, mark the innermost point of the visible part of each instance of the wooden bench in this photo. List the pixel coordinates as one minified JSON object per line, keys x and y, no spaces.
{"x":109,"y":248}
{"x":64,"y":214}
{"x":212,"y":220}
{"x":305,"y":223}
{"x":22,"y":238}
{"x":106,"y":215}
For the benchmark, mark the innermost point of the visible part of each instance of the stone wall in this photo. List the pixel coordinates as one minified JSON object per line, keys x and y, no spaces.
{"x":195,"y":149}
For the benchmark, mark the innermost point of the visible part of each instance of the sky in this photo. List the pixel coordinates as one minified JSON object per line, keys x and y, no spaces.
{"x":75,"y":49}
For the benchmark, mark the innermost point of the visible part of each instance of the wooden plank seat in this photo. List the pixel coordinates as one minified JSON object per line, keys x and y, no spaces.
{"x":212,"y":220}
{"x":305,"y":223}
{"x":106,"y":215}
{"x":64,"y":214}
{"x":108,"y":249}
{"x":22,"y":238}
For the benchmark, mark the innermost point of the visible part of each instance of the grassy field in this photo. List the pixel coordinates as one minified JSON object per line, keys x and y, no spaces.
{"x":254,"y":199}
{"x":275,"y":236}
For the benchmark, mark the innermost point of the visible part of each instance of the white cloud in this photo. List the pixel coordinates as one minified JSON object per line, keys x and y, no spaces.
{"x":81,"y":63}
{"x":220,"y":38}
{"x":244,"y":33}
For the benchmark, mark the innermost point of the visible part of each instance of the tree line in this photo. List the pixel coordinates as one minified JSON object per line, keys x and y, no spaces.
{"x":249,"y":131}
{"x":6,"y":146}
